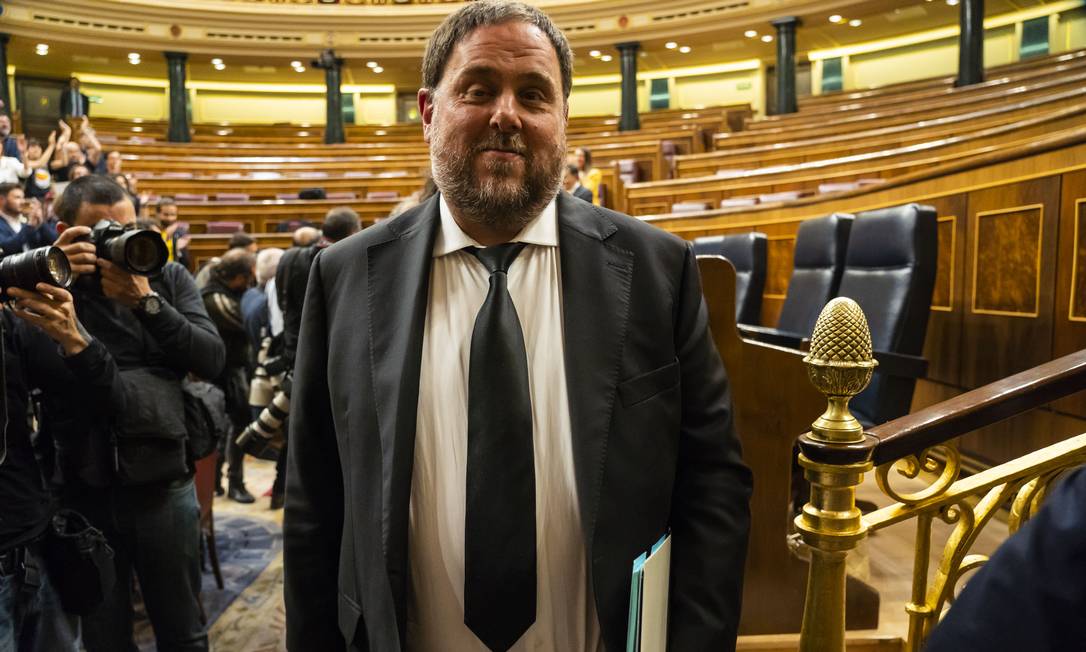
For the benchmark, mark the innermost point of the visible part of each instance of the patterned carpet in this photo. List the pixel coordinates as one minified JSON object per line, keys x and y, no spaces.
{"x":247,"y":614}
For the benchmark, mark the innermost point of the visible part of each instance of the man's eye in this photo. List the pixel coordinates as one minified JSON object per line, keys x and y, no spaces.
{"x":533,"y":96}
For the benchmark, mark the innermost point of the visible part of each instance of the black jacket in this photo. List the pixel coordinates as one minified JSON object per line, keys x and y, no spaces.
{"x":652,"y":436}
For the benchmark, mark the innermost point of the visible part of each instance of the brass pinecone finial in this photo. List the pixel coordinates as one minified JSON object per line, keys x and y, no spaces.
{"x":841,"y":335}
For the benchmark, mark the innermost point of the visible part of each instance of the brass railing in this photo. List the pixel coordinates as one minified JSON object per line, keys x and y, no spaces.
{"x":836,"y":454}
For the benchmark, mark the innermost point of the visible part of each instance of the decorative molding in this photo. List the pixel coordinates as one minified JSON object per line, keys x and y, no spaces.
{"x":1077,"y":246}
{"x":953,"y":219}
{"x":1039,"y":208}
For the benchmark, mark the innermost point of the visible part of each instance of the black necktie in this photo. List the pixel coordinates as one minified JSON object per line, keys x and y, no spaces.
{"x":499,"y":526}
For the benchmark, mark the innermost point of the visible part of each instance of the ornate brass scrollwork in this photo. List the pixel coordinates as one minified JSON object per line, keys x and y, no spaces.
{"x":943,"y":460}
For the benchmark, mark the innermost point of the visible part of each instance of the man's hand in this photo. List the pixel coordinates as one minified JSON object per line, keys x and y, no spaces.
{"x":81,"y":255}
{"x":34,"y":215}
{"x":50,"y":309}
{"x":124,"y":288}
{"x":53,"y":137}
{"x":20,"y":144}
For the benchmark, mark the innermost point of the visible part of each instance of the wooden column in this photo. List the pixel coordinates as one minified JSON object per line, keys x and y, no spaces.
{"x":179,"y":101}
{"x":630,"y":120}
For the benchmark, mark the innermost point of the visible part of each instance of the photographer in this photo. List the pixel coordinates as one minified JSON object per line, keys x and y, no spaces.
{"x":130,"y":474}
{"x":83,"y":374}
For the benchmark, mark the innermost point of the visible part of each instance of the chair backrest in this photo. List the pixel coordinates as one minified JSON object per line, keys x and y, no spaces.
{"x":186,"y":196}
{"x":747,"y":253}
{"x":231,"y":196}
{"x":225,"y":227}
{"x":382,"y":194}
{"x":818,"y":264}
{"x":890,"y":271}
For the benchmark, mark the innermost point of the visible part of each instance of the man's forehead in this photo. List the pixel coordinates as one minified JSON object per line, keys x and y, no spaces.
{"x":508,"y":40}
{"x":90,"y":214}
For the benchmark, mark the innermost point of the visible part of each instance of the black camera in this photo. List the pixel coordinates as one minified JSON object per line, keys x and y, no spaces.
{"x":28,"y":268}
{"x":136,"y":252}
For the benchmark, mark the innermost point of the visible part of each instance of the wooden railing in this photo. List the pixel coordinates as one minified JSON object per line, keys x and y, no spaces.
{"x":837,"y":453}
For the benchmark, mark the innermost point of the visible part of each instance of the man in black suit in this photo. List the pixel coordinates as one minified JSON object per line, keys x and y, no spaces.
{"x":72,"y":102}
{"x":571,"y":182}
{"x":504,"y":396}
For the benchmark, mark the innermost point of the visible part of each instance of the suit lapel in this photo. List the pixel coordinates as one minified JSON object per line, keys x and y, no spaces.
{"x":596,"y":278}
{"x":399,"y":282}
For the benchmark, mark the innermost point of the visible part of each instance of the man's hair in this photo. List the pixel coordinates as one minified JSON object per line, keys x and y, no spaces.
{"x":32,"y":142}
{"x":573,"y":169}
{"x":92,"y":189}
{"x":148,"y":224}
{"x":340,"y":222}
{"x":304,"y":236}
{"x":587,"y":156}
{"x":6,"y":188}
{"x":234,"y":262}
{"x":166,"y":201}
{"x":241,"y":240}
{"x":267,"y":260}
{"x":482,"y":13}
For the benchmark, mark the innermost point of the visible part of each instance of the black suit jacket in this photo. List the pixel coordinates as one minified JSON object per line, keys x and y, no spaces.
{"x":580,"y":192}
{"x":649,"y":405}
{"x":66,"y":103}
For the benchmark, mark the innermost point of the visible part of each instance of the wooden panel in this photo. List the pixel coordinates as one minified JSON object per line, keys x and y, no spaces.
{"x":1007,"y":261}
{"x":942,"y":346}
{"x":780,"y":251}
{"x":1069,"y":330}
{"x":1008,"y":326}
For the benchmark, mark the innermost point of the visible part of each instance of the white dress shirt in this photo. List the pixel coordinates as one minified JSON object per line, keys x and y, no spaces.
{"x":565,"y":610}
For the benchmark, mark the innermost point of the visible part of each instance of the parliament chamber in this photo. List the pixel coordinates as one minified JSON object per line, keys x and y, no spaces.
{"x":881,"y":194}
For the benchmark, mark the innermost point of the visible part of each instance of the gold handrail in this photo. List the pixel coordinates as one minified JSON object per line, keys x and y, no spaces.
{"x":837,"y":453}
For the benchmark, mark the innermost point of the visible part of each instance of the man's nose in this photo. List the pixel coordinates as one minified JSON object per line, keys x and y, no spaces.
{"x":506,"y":117}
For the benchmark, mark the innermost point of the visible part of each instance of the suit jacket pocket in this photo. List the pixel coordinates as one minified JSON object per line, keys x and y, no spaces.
{"x":644,"y":386}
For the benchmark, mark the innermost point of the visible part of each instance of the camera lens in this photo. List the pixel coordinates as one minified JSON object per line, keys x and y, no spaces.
{"x":139,"y":252}
{"x":42,"y":265}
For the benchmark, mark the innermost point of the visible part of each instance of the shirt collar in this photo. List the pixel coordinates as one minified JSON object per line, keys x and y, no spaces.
{"x":542,"y":231}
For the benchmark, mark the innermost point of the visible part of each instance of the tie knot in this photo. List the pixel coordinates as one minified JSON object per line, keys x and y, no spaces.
{"x":499,"y":257}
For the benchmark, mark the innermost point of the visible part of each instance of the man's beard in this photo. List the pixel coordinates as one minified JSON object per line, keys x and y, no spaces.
{"x":502,"y":201}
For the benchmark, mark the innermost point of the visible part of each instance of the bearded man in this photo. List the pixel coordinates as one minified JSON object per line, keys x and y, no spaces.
{"x":504,"y":395}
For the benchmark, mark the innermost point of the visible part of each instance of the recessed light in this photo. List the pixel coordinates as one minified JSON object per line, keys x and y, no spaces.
{"x":216,"y":62}
{"x":836,"y":18}
{"x":952,"y":3}
{"x":768,"y":38}
{"x":685,"y":49}
{"x":671,"y":45}
{"x":299,"y":69}
{"x":41,"y":49}
{"x":855,"y":22}
{"x":750,"y":33}
{"x":296,"y":64}
{"x":594,"y":53}
{"x":606,"y":58}
{"x":378,"y":69}
{"x":220,"y":66}
{"x":371,"y":64}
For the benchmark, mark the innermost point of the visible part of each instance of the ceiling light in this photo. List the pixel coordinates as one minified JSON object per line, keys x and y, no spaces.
{"x":296,"y":64}
{"x":216,"y":62}
{"x":855,"y":22}
{"x":378,"y":69}
{"x":41,"y":49}
{"x":594,"y":53}
{"x":371,"y":64}
{"x":299,"y":69}
{"x":685,"y":49}
{"x":671,"y":45}
{"x":767,"y":38}
{"x":220,"y":66}
{"x":952,"y":3}
{"x":750,"y":33}
{"x":836,"y":18}
{"x":606,"y":58}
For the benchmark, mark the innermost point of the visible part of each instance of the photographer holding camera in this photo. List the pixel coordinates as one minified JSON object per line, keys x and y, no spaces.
{"x":129,"y":473}
{"x":39,"y":321}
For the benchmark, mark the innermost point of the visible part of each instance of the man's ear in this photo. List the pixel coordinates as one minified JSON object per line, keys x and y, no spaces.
{"x":426,"y":111}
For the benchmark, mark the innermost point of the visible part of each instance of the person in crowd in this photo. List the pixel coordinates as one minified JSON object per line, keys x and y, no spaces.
{"x":114,"y":163}
{"x":291,"y":280}
{"x":292,"y":226}
{"x":1031,"y":594}
{"x":73,"y":102}
{"x":304,"y":236}
{"x":571,"y":182}
{"x":128,"y":472}
{"x":12,"y":170}
{"x":126,"y":183}
{"x":230,"y":278}
{"x":38,"y":178}
{"x":10,"y":146}
{"x":591,"y":177}
{"x":31,"y":616}
{"x":260,"y":322}
{"x":174,"y":232}
{"x":23,"y":225}
{"x":78,"y":171}
{"x":242,"y":240}
{"x":501,"y":338}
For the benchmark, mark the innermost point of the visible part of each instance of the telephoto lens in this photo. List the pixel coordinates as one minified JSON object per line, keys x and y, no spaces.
{"x":28,"y":268}
{"x":267,"y":431}
{"x":137,"y":252}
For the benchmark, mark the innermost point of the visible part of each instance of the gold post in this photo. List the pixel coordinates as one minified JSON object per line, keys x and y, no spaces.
{"x":835,"y":456}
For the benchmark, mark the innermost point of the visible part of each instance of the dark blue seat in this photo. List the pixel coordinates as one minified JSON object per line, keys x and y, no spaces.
{"x":747,"y":253}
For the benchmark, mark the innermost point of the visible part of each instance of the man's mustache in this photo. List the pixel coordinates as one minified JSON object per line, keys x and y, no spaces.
{"x":513,"y":143}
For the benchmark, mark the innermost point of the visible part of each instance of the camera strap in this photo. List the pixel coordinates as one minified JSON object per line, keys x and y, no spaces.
{"x":4,"y":398}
